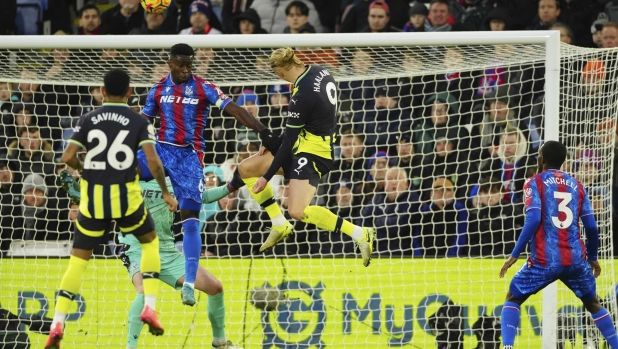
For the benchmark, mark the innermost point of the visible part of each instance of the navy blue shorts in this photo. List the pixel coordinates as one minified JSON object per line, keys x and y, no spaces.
{"x":183,"y":165}
{"x":531,"y":279}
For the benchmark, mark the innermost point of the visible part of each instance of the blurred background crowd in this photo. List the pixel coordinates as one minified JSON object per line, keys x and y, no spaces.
{"x":436,"y":162}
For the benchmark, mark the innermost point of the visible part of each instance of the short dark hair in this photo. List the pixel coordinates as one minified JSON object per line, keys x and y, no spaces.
{"x":566,"y":27}
{"x":27,"y":129}
{"x":554,"y":153}
{"x":88,"y":7}
{"x":445,"y":2}
{"x":557,"y":3}
{"x":182,"y":50}
{"x":301,"y":6}
{"x":116,"y":82}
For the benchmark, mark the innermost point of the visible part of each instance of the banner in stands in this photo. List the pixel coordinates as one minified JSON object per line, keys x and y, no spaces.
{"x":332,"y":303}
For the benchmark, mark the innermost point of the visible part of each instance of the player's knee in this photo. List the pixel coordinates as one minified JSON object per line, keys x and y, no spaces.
{"x":296,"y":212}
{"x":216,"y":288}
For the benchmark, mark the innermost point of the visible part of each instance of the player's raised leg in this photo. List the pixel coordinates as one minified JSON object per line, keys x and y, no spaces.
{"x":251,"y":169}
{"x":301,"y":193}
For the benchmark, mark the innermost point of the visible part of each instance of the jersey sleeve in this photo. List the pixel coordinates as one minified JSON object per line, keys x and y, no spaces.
{"x":80,"y":132}
{"x":532,"y":197}
{"x":216,"y":96}
{"x":146,"y":133}
{"x":151,"y":108}
{"x":586,"y":209}
{"x":299,"y":110}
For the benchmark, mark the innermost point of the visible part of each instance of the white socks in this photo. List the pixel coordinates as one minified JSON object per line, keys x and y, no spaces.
{"x":279,"y":221}
{"x":150,"y":301}
{"x":358,"y":233}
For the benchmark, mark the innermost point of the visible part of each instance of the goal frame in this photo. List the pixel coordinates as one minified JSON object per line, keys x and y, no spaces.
{"x":550,"y":39}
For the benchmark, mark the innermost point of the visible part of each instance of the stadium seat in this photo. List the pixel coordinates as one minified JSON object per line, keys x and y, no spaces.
{"x":30,"y":16}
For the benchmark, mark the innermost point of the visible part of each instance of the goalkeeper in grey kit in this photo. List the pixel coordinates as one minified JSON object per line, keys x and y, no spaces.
{"x":172,"y":270}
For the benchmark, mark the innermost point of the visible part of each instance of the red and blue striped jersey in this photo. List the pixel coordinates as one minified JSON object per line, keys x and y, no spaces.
{"x":562,"y":200}
{"x":184,"y":109}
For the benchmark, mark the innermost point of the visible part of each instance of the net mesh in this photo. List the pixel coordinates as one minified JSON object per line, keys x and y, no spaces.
{"x":463,"y":122}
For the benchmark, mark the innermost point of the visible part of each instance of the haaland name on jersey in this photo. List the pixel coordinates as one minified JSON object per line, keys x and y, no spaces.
{"x":178,"y":99}
{"x":559,"y":180}
{"x":318,"y":80}
{"x":110,"y":117}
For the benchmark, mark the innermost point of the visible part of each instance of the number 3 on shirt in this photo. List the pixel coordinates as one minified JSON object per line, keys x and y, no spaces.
{"x":563,"y":206}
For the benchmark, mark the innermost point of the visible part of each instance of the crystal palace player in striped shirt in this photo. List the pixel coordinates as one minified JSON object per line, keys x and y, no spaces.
{"x":555,"y":201}
{"x":182,"y":100}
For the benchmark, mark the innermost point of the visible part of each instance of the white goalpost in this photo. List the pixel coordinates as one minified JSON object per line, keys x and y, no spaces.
{"x":451,"y":99}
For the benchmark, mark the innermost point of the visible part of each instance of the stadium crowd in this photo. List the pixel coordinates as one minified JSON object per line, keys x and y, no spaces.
{"x":436,"y":162}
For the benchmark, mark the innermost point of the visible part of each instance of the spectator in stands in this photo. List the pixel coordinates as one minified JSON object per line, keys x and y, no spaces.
{"x":248,"y":22}
{"x":494,"y":225}
{"x":382,"y":125}
{"x":246,"y":145}
{"x":548,"y":13}
{"x":418,"y":12}
{"x":408,"y":160}
{"x":42,"y":213}
{"x":441,"y":112}
{"x":296,"y":16}
{"x":6,"y":89}
{"x":200,"y":17}
{"x":345,"y":202}
{"x":250,"y":101}
{"x":159,"y":71}
{"x":443,"y":225}
{"x":378,"y":19}
{"x":514,"y":163}
{"x":27,"y":92}
{"x":10,"y":199}
{"x":373,"y":184}
{"x":458,"y":81}
{"x":32,"y":154}
{"x":278,"y":99}
{"x":566,"y":34}
{"x":447,"y":161}
{"x":6,"y":115}
{"x":21,"y":115}
{"x":440,"y":18}
{"x":89,"y":20}
{"x":202,"y":61}
{"x":230,"y":10}
{"x":90,"y":102}
{"x":360,"y":92}
{"x":470,"y":14}
{"x":579,"y":15}
{"x":607,"y":136}
{"x":350,"y":167}
{"x":597,"y":30}
{"x":153,"y":25}
{"x":610,"y":35}
{"x":497,"y":19}
{"x":588,"y":101}
{"x":587,"y":168}
{"x":392,"y":212}
{"x":355,"y":13}
{"x":273,"y":14}
{"x":122,"y":18}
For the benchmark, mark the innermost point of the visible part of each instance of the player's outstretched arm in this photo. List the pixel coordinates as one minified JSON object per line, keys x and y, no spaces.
{"x":592,"y":243}
{"x":156,"y":168}
{"x":266,"y":136}
{"x":69,"y":157}
{"x":290,"y":135}
{"x":533,"y":219}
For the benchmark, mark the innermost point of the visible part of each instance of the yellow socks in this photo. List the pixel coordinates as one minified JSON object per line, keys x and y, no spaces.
{"x":266,"y":198}
{"x":69,"y":287}
{"x":150,"y":266}
{"x":326,"y":220}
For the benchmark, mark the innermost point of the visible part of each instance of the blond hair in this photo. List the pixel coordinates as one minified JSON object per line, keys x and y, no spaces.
{"x":284,"y":58}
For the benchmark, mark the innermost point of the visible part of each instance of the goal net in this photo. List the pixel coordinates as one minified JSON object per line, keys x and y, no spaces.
{"x":436,"y":134}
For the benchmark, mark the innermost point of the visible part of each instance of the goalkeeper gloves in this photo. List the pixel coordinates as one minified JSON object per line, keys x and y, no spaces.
{"x":269,"y":141}
{"x":70,"y":185}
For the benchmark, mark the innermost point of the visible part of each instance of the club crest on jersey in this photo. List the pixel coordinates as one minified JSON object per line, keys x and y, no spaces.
{"x":189,"y":90}
{"x":167,"y":89}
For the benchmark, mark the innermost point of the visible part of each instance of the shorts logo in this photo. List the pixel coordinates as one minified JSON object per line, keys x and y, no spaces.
{"x":306,"y":303}
{"x":297,"y":170}
{"x":135,"y":267}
